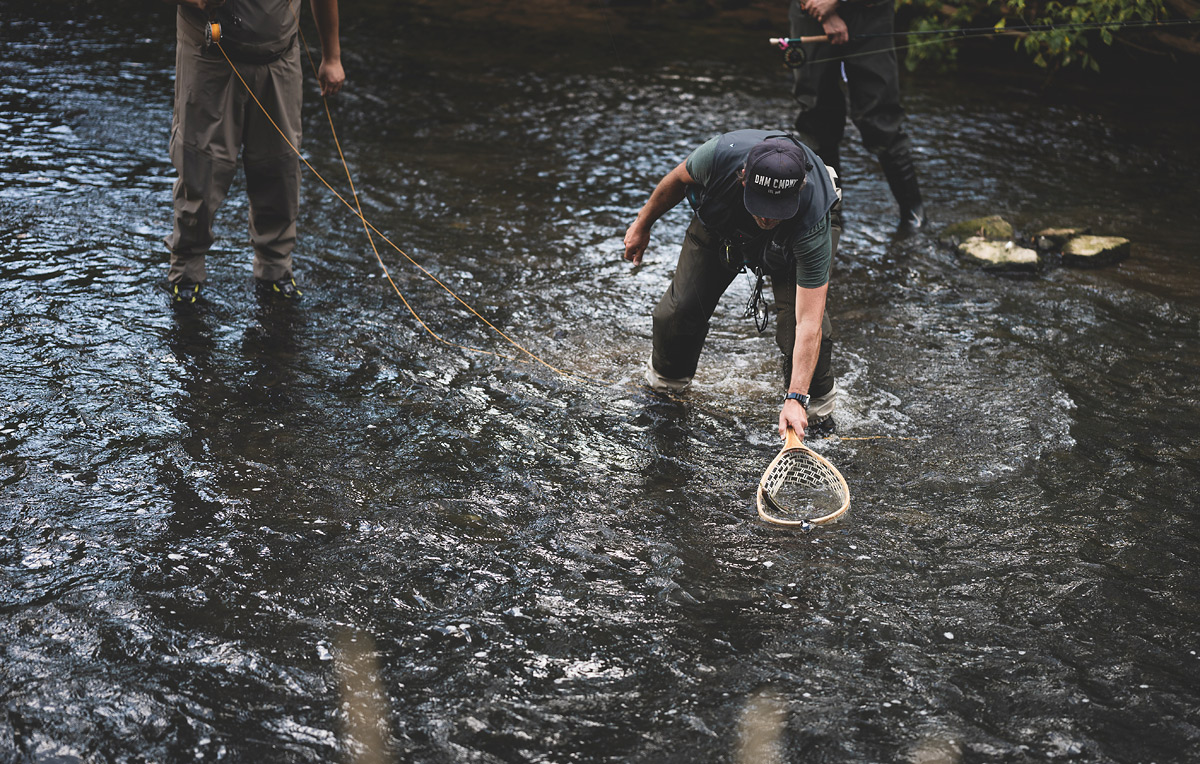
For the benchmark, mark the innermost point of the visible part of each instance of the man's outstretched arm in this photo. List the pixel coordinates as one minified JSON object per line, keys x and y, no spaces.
{"x":810,"y":309}
{"x":669,"y":192}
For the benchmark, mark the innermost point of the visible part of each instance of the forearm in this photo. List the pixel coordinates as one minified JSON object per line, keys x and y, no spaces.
{"x":325,"y":12}
{"x":805,"y":352}
{"x":668,"y":193}
{"x":810,"y":308}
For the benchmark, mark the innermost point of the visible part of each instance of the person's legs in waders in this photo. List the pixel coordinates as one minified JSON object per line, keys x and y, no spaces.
{"x":682,"y":315}
{"x":822,"y":390}
{"x":818,"y":91}
{"x":206,"y":133}
{"x":873,"y":77}
{"x":273,"y":170}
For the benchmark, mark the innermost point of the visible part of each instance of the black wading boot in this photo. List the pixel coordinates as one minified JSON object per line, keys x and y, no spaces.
{"x":184,"y":293}
{"x":280,"y":289}
{"x":902,"y":179}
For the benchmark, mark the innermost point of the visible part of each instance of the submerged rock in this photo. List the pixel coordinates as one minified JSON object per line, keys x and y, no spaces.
{"x":1090,"y":251}
{"x":998,"y":255}
{"x":990,"y":228}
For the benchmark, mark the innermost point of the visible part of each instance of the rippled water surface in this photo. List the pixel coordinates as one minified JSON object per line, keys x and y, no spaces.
{"x":265,"y":533}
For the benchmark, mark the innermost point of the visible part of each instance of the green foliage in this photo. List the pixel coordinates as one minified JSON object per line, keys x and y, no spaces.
{"x":1065,"y":45}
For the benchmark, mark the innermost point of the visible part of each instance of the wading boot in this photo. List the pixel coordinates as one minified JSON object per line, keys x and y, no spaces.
{"x":183,"y":293}
{"x":821,"y":427}
{"x":901,"y":178}
{"x":281,"y":289}
{"x":660,"y":384}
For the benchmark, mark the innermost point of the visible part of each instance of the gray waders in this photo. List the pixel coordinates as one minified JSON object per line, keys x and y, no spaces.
{"x":214,"y":119}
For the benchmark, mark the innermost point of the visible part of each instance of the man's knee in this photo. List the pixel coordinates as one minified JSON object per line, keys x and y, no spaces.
{"x":671,"y":322}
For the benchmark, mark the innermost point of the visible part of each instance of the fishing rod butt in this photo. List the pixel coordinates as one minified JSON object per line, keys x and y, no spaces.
{"x":787,"y":42}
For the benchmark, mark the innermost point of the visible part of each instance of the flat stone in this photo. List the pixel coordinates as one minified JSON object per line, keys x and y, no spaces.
{"x":992,"y":228}
{"x":1054,"y":239}
{"x":1091,"y":251}
{"x":998,"y":255}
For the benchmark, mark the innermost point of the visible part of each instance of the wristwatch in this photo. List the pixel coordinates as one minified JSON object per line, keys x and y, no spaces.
{"x":800,"y":398}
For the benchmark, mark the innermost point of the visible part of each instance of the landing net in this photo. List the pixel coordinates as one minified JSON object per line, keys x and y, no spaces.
{"x":802,"y":488}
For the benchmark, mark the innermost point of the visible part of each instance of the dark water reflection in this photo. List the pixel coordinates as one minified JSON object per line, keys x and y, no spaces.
{"x":201,"y":515}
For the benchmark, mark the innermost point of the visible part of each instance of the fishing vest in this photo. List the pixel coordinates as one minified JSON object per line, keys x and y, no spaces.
{"x":721,"y":208}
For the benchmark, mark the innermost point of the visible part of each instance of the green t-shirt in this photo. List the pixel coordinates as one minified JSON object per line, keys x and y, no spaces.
{"x":811,"y":248}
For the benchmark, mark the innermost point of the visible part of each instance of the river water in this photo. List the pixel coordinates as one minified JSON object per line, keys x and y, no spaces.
{"x":254,"y":532}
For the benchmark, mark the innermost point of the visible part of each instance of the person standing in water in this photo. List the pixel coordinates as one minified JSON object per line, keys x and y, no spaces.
{"x":215,"y":119}
{"x":858,"y":60}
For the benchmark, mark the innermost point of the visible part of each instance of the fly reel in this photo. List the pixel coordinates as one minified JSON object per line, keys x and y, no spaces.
{"x":212,"y":34}
{"x":794,"y":57}
{"x":212,"y":30}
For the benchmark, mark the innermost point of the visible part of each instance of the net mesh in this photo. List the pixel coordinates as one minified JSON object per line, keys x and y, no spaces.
{"x":801,"y":487}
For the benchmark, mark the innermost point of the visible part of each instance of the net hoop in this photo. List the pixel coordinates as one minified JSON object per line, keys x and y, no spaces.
{"x":794,"y":448}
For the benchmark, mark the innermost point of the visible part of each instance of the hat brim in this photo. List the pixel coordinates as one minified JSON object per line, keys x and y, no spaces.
{"x":772,"y":206}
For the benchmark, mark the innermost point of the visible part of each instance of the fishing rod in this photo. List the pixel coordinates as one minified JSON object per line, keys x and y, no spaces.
{"x":794,"y":56}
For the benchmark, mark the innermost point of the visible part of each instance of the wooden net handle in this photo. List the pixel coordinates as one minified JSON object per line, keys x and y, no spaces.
{"x":791,"y":439}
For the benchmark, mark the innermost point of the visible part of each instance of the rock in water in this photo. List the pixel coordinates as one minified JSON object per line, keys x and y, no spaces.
{"x":1054,"y":239}
{"x":1091,"y":251}
{"x":991,"y":228}
{"x":998,"y":255}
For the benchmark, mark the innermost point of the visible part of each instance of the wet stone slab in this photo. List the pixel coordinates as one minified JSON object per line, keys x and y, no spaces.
{"x":998,"y":255}
{"x":1095,"y":251}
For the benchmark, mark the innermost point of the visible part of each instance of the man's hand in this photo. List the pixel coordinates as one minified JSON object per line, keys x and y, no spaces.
{"x":835,"y":27}
{"x":636,"y":241}
{"x":793,"y":415}
{"x":331,"y":76}
{"x":819,"y":9}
